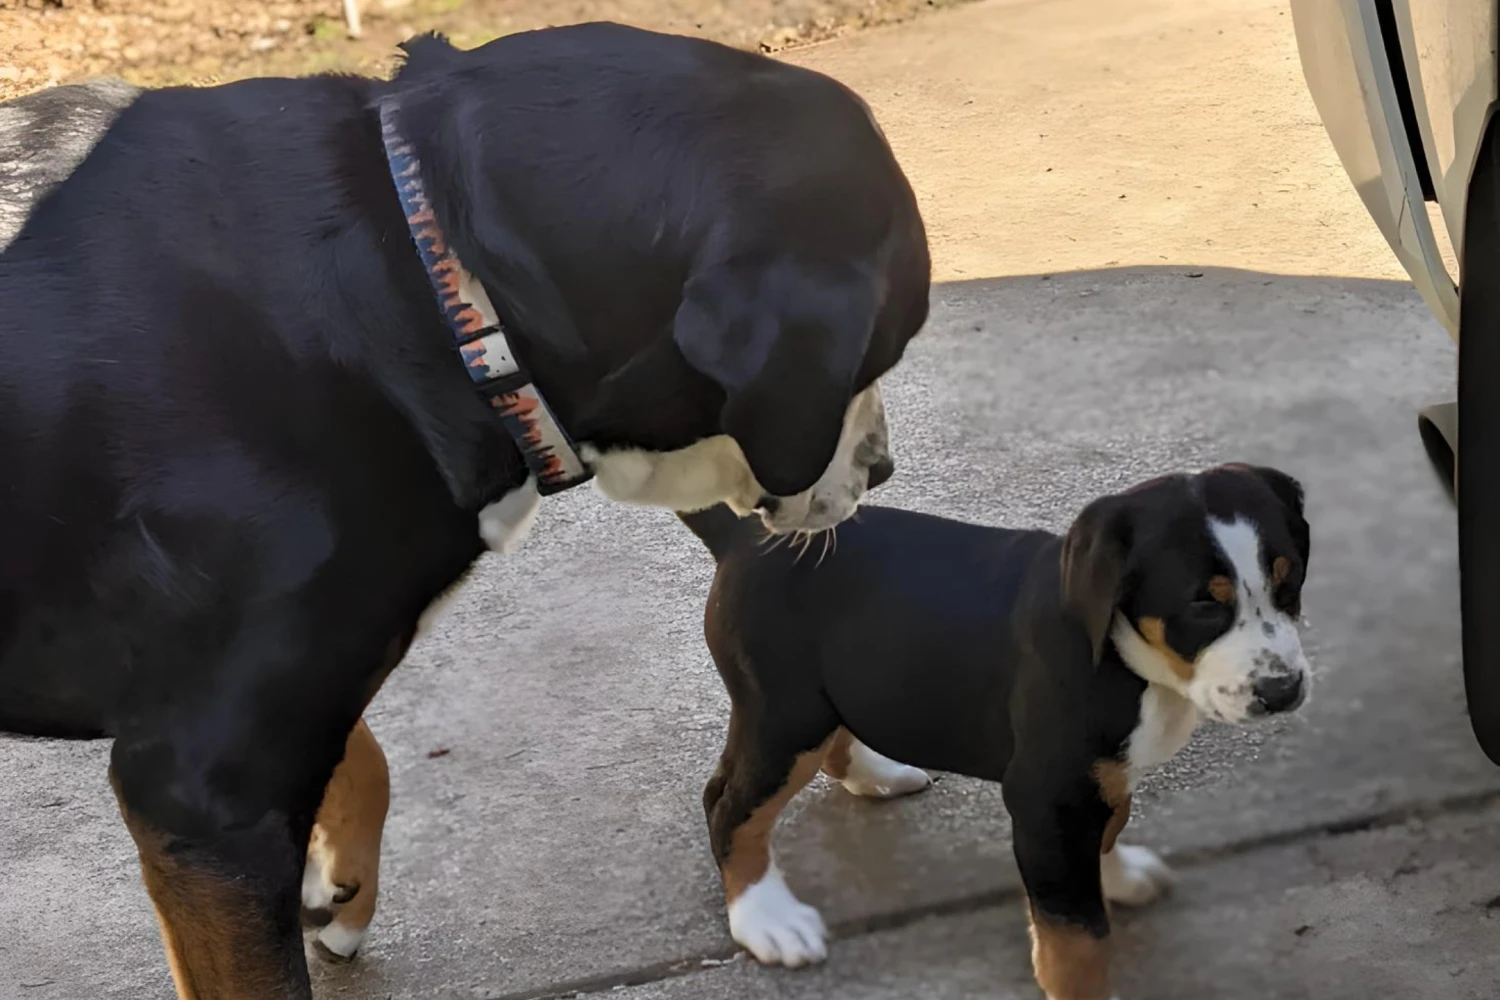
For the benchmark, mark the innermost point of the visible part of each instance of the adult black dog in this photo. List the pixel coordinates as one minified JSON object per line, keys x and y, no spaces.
{"x":243,"y":457}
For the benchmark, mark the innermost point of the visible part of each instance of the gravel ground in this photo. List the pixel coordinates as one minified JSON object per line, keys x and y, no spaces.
{"x":159,"y":42}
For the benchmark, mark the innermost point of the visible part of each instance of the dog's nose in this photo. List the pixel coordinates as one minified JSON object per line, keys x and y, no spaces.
{"x":1279,"y":692}
{"x":882,"y":470}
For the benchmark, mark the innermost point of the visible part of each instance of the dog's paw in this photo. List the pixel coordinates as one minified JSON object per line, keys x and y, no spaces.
{"x":876,"y":776}
{"x":319,"y":893}
{"x":770,"y":923}
{"x":1133,"y":876}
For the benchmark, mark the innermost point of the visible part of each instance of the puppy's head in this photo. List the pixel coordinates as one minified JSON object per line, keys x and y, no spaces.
{"x":1198,"y":582}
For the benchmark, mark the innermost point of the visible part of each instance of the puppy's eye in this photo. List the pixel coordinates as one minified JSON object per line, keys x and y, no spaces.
{"x":1288,"y":599}
{"x":1209,"y":609}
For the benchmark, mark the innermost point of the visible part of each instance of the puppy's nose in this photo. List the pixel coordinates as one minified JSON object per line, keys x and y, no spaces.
{"x":1279,"y":692}
{"x":882,"y":470}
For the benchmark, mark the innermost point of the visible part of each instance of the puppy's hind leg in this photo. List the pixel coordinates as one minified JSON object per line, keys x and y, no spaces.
{"x":342,"y":878}
{"x":758,"y":775}
{"x":866,"y":773}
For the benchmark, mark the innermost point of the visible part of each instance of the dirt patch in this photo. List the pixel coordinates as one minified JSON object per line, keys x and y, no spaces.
{"x":162,"y":42}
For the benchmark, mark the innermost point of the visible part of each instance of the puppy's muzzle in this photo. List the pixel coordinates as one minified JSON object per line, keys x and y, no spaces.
{"x":1279,"y":693}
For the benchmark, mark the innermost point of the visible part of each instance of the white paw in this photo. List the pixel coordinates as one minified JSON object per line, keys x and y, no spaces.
{"x":770,"y":923}
{"x":875,"y":776}
{"x":1133,"y":876}
{"x":342,"y":941}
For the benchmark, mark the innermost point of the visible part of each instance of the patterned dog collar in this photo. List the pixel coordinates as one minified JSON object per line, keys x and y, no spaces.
{"x":477,"y":331}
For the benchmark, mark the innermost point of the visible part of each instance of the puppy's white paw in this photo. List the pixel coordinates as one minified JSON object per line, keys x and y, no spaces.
{"x":341,"y":942}
{"x":876,"y":776}
{"x":770,"y":923}
{"x":1133,"y":876}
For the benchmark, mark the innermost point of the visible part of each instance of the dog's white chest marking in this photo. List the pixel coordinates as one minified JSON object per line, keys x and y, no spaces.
{"x":504,"y":524}
{"x":1166,"y":724}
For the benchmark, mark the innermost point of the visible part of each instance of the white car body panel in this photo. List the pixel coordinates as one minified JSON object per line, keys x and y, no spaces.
{"x":1352,"y":83}
{"x":1450,"y":51}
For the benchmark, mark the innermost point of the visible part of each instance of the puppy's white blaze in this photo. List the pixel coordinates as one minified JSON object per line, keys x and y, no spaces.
{"x":505,"y":523}
{"x":1166,"y":724}
{"x":876,"y":776}
{"x":1261,"y":637}
{"x":342,"y":941}
{"x":1133,"y":876}
{"x":776,"y":927}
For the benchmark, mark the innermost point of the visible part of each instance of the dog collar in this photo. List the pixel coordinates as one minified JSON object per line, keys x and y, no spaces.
{"x":482,"y":342}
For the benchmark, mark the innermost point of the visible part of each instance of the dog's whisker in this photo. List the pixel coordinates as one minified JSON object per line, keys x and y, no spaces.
{"x":807,"y":540}
{"x":827,"y":541}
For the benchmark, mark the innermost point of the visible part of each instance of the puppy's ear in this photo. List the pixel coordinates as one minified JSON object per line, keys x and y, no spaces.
{"x":1289,"y":492}
{"x":785,"y":341}
{"x":1095,"y":555}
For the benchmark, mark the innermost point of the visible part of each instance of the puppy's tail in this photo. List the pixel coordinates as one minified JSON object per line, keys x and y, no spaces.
{"x":723,"y":531}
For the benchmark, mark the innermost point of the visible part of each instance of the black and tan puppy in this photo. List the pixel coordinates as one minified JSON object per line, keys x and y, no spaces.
{"x":280,"y":359}
{"x":1061,"y":666}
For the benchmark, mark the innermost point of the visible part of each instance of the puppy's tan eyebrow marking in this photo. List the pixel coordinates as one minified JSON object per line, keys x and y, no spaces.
{"x":1221,"y":589}
{"x":1281,"y":567}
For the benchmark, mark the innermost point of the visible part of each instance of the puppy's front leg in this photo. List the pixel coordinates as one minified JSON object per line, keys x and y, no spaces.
{"x":1059,"y":828}
{"x":342,"y":878}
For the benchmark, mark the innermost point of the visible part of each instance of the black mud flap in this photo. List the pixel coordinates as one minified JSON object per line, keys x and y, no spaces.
{"x":1438,"y":425}
{"x":1479,"y":441}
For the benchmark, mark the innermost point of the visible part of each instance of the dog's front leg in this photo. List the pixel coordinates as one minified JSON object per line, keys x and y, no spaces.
{"x":1059,"y":825}
{"x":221,"y":823}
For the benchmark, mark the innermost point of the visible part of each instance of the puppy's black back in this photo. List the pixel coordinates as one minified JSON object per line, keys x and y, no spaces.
{"x":905,"y":628}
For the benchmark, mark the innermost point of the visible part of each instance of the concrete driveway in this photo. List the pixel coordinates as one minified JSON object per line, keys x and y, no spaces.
{"x":1150,"y":260}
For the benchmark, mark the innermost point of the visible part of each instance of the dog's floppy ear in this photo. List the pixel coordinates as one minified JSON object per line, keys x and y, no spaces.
{"x":1289,"y":492}
{"x":785,"y":341}
{"x":426,"y":52}
{"x":1095,"y":555}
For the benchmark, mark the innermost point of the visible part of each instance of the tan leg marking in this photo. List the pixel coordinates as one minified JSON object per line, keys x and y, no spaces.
{"x":344,"y":850}
{"x":750,"y":844}
{"x":1154,"y":631}
{"x":217,"y":946}
{"x":1114,"y":789}
{"x":836,"y":761}
{"x":1069,"y":962}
